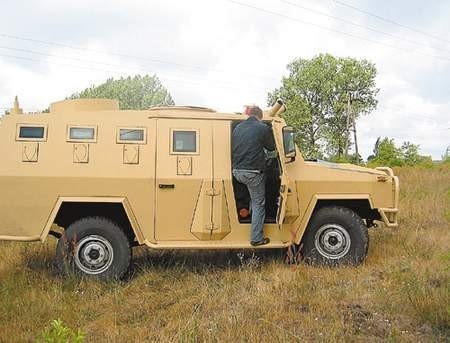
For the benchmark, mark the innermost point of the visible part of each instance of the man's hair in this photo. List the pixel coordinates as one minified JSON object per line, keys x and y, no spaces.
{"x":255,"y":111}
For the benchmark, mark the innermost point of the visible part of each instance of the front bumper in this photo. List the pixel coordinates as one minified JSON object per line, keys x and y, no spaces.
{"x":389,"y":214}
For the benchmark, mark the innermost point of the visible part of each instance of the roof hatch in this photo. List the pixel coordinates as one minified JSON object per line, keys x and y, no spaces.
{"x":182,"y":108}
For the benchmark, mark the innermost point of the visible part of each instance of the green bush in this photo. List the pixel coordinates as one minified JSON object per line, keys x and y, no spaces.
{"x":59,"y":333}
{"x":385,"y":153}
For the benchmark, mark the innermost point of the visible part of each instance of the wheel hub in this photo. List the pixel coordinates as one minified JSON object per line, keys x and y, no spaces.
{"x":94,"y":254}
{"x":332,"y":241}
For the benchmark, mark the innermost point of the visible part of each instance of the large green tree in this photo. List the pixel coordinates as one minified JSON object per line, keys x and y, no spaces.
{"x":137,"y":93}
{"x":317,"y":92}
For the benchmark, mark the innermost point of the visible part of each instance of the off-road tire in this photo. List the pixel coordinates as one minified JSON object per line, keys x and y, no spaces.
{"x":335,"y":236}
{"x":93,"y":237}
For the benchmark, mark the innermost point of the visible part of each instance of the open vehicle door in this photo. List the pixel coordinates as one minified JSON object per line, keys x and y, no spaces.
{"x":284,"y":141}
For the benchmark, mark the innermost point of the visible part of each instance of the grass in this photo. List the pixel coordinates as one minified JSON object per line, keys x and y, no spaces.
{"x":401,"y":292}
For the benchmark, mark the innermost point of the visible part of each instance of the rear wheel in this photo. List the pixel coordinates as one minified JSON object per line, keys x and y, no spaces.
{"x":95,"y":247}
{"x":335,"y":236}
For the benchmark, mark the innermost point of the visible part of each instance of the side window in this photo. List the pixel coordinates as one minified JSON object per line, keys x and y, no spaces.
{"x":131,"y":138}
{"x":184,"y":142}
{"x":82,"y":134}
{"x":31,"y":132}
{"x":131,"y":135}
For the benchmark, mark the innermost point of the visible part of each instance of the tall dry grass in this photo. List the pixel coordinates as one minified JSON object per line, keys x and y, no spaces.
{"x":401,"y":293}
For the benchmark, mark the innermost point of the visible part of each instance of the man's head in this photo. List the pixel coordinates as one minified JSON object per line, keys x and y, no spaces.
{"x":255,"y":111}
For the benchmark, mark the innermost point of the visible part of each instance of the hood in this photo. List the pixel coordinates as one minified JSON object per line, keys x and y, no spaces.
{"x":346,"y":167}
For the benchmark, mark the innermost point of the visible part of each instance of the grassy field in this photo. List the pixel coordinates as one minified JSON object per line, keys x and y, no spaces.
{"x":401,"y":292}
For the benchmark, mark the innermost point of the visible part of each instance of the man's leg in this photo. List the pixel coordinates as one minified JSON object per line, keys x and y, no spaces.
{"x":256,"y":187}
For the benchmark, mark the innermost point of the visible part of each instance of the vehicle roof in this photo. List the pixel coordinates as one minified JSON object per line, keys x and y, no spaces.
{"x":89,"y":107}
{"x":191,"y":112}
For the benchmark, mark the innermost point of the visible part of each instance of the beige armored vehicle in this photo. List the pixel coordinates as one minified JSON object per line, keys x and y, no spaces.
{"x":103,"y":180}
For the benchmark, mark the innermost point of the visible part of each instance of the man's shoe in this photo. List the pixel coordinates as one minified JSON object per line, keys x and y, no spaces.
{"x":264,"y":241}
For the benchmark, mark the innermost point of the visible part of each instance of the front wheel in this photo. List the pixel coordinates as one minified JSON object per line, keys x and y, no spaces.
{"x":335,"y":236}
{"x":95,"y":247}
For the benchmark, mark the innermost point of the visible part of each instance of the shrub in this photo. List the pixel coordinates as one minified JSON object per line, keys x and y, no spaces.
{"x":387,"y":154}
{"x":59,"y":333}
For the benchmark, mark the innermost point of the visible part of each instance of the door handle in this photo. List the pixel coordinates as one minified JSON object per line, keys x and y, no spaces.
{"x":166,"y":186}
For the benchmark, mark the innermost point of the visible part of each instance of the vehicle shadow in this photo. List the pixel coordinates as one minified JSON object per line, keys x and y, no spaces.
{"x":41,"y":259}
{"x":202,"y":261}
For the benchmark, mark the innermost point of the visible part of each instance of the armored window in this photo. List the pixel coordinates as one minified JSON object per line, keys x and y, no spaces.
{"x":184,"y":142}
{"x":82,"y":134}
{"x":131,"y":135}
{"x":288,"y":141}
{"x":31,"y":132}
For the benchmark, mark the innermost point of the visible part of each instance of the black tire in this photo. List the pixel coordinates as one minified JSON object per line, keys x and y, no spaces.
{"x":335,"y":236}
{"x":94,"y":247}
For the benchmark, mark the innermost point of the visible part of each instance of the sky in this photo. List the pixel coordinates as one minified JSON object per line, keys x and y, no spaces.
{"x":225,"y":54}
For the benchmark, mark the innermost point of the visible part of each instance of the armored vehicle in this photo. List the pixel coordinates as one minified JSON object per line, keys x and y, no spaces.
{"x":103,"y":180}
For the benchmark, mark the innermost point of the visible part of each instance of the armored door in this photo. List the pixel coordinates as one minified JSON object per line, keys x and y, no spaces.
{"x":277,"y":128}
{"x":186,"y":191}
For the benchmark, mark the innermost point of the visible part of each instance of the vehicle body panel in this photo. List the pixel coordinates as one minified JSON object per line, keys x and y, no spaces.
{"x":172,"y":200}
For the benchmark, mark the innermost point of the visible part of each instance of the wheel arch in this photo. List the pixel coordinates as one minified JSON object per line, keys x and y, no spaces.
{"x":69,"y":209}
{"x":361,"y":204}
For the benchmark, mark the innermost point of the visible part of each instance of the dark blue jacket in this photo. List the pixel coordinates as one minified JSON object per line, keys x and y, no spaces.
{"x":247,"y":143}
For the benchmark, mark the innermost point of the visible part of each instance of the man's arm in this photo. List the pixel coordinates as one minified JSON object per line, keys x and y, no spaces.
{"x":269,"y":142}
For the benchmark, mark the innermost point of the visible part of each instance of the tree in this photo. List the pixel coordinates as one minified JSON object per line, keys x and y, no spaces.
{"x":410,"y":154}
{"x":446,"y":156}
{"x":137,"y":93}
{"x":316,"y":93}
{"x":386,"y":154}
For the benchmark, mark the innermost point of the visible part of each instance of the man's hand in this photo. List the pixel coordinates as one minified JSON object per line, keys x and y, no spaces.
{"x":270,"y":154}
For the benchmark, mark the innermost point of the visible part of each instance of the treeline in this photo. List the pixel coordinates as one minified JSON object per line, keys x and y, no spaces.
{"x":386,"y":153}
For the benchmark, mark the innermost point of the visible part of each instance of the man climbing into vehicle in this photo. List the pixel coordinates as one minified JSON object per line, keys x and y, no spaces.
{"x":249,"y":140}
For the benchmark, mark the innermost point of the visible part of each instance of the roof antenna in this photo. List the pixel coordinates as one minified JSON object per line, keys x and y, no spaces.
{"x":16,"y":109}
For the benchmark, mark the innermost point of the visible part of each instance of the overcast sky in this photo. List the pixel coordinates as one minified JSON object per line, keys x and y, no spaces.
{"x":224,"y":54}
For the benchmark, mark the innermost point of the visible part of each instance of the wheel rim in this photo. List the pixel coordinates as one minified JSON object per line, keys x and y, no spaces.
{"x":332,"y":241}
{"x":93,"y":255}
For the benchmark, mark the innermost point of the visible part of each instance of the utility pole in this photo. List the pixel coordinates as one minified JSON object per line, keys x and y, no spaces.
{"x":351,"y":116}
{"x":354,"y":137}
{"x":347,"y":126}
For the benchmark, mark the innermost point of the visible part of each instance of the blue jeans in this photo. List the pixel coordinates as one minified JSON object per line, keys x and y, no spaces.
{"x":256,"y":185}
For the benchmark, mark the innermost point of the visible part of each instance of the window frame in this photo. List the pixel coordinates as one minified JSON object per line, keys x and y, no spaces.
{"x":81,"y":140}
{"x":172,"y":141}
{"x":131,"y":141}
{"x":25,"y":139}
{"x":292,"y":153}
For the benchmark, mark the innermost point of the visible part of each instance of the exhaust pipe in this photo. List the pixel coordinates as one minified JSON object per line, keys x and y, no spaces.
{"x":277,"y":109}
